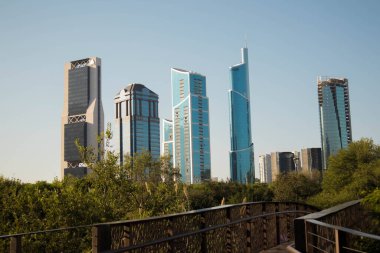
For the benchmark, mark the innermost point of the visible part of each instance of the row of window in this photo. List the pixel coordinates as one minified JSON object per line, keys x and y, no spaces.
{"x":136,"y":107}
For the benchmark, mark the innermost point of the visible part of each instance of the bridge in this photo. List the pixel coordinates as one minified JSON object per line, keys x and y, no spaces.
{"x":245,"y":227}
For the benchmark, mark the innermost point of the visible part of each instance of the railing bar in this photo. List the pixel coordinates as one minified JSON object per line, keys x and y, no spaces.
{"x":199,"y":211}
{"x":200,"y":231}
{"x":324,"y":238}
{"x":125,"y":223}
{"x":46,"y":231}
{"x":348,"y":230}
{"x":315,"y":247}
{"x":355,"y":250}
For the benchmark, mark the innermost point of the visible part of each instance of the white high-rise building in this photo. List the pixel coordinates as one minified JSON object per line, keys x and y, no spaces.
{"x":265,"y":168}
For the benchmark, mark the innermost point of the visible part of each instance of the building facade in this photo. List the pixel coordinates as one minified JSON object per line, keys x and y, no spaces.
{"x":334,"y":114}
{"x":297,"y":160}
{"x":311,"y":159}
{"x":191,"y":132}
{"x":241,"y":150}
{"x":282,"y":162}
{"x":265,"y":168}
{"x":82,"y":116}
{"x":167,"y":143}
{"x":137,"y":124}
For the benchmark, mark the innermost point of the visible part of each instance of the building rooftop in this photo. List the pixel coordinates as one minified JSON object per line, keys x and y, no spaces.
{"x":133,"y":88}
{"x":187,"y":71}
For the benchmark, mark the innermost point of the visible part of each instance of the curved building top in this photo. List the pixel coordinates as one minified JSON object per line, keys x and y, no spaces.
{"x":134,"y":87}
{"x":187,"y":71}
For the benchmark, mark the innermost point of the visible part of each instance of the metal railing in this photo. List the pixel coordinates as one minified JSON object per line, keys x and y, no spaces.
{"x":51,"y":240}
{"x":246,"y":227}
{"x":337,"y":239}
{"x":334,"y":230}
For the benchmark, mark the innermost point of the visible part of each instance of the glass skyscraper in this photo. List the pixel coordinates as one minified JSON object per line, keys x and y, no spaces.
{"x":334,"y":114}
{"x":191,"y":126}
{"x":137,"y":125}
{"x":241,"y":153}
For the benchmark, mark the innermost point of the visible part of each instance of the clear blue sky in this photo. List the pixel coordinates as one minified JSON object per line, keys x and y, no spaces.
{"x":290,"y":43}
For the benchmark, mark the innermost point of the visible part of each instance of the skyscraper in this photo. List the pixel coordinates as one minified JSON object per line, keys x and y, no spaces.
{"x":334,"y":114}
{"x":191,"y":126}
{"x":137,"y":125}
{"x":241,"y":153}
{"x":311,"y":159}
{"x":265,"y":168}
{"x":282,"y":162}
{"x":82,"y":116}
{"x":167,"y":143}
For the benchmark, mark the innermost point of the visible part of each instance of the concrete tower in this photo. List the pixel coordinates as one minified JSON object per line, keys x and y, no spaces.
{"x":82,"y":116}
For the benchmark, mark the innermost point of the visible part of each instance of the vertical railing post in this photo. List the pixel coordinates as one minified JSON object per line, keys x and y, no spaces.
{"x":229,"y":235}
{"x":288,"y":228}
{"x":249,"y":227}
{"x":170,"y":233}
{"x":278,"y":232}
{"x":127,"y":240}
{"x":203,"y":235}
{"x":340,"y":241}
{"x":15,"y":244}
{"x":101,"y":238}
{"x":265,"y":239}
{"x":300,"y":234}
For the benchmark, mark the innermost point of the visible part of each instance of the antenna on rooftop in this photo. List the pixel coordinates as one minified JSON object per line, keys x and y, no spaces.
{"x":246,"y":41}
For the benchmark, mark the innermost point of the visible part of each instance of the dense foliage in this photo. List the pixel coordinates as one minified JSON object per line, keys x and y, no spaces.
{"x":145,"y":187}
{"x":353,"y":173}
{"x":141,"y":187}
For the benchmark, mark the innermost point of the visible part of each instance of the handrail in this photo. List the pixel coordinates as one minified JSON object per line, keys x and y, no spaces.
{"x":344,"y":229}
{"x":101,"y":231}
{"x":45,"y":231}
{"x":334,"y":227}
{"x":199,"y":211}
{"x":200,"y":231}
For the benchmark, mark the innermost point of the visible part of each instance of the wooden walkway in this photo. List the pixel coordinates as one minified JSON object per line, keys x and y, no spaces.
{"x":283,"y":248}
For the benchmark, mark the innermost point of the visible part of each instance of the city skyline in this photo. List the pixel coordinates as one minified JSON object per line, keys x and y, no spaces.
{"x":288,"y":50}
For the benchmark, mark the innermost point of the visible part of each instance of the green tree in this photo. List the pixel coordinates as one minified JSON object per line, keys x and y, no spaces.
{"x":297,"y":187}
{"x":353,"y":173}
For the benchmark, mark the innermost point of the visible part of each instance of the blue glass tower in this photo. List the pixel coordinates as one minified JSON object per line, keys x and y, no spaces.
{"x":241,"y":153}
{"x":137,"y":125}
{"x":191,"y":126}
{"x":334,"y":114}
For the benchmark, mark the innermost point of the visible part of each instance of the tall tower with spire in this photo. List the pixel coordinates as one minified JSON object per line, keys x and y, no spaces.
{"x":241,"y":152}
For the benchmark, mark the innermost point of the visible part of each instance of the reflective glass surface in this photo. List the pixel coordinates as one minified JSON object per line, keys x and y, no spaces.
{"x":334,"y":124}
{"x":241,"y":146}
{"x":191,"y":126}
